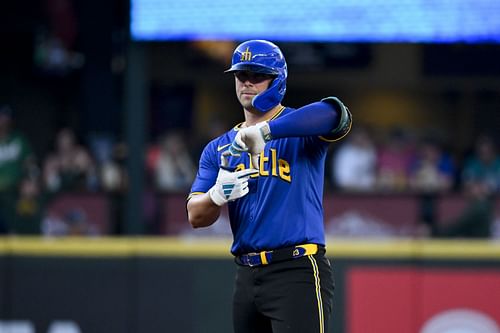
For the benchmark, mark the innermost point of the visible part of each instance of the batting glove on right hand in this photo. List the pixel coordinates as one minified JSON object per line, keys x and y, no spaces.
{"x":252,"y":139}
{"x":230,"y":185}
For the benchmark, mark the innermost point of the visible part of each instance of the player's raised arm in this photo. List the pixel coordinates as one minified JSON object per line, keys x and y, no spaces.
{"x":329,"y":117}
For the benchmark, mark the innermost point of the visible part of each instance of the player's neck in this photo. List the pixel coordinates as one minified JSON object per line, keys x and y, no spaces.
{"x":253,"y":117}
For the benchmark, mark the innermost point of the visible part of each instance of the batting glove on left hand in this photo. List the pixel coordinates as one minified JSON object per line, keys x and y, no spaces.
{"x":230,"y":185}
{"x":252,"y":139}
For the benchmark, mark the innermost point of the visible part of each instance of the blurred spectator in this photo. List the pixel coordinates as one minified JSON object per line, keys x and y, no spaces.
{"x":54,"y":51}
{"x":52,"y":58}
{"x":483,"y":165}
{"x":17,"y":161}
{"x":171,"y":163}
{"x":70,"y":167}
{"x":432,"y":170}
{"x":113,"y":172}
{"x":29,"y":208}
{"x":354,"y":163}
{"x":394,"y":160}
{"x":16,"y":155}
{"x":476,"y":219}
{"x":73,"y":223}
{"x":110,"y":157}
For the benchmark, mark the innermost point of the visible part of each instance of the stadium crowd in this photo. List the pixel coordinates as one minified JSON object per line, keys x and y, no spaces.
{"x":365,"y":162}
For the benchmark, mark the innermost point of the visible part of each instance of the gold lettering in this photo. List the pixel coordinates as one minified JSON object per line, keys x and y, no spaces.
{"x":273,"y":162}
{"x":262,"y":160}
{"x":250,"y":159}
{"x":246,"y":56}
{"x":251,"y":166}
{"x":284,"y":170}
{"x":269,"y":165}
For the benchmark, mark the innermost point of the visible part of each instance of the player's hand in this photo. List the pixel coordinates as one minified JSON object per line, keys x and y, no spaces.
{"x":230,"y":185}
{"x":252,"y":139}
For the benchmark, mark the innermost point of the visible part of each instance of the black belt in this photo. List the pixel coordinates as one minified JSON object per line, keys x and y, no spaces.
{"x":287,"y":253}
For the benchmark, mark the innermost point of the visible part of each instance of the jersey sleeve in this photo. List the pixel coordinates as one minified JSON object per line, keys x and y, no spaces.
{"x":208,"y":170}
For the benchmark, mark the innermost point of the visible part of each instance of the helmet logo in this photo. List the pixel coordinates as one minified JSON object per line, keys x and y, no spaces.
{"x":246,"y":56}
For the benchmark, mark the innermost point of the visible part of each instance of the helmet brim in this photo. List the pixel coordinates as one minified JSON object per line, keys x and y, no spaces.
{"x":252,"y":67}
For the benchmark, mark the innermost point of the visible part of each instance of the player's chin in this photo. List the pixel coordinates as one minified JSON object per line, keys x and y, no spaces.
{"x":246,"y":101}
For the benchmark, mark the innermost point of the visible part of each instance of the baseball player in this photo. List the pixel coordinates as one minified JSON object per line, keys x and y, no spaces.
{"x":269,"y":170}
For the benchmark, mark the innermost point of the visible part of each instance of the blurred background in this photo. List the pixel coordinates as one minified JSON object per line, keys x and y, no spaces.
{"x":105,"y":107}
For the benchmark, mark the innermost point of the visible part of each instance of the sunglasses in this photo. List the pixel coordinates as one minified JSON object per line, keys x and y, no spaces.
{"x":253,"y":77}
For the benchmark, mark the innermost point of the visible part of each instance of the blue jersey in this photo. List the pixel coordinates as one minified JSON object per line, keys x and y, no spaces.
{"x":284,"y":204}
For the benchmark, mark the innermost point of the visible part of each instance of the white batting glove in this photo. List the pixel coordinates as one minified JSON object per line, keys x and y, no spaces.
{"x":230,"y":185}
{"x":252,"y":139}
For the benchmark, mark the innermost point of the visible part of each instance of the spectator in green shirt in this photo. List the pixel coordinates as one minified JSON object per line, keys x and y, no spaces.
{"x":16,"y":162}
{"x":484,"y":164}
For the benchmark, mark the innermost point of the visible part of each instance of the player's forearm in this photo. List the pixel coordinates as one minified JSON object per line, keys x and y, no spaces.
{"x":313,"y":119}
{"x":202,"y":212}
{"x":319,"y":118}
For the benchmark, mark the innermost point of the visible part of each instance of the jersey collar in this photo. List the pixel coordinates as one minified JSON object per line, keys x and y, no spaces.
{"x":275,"y":114}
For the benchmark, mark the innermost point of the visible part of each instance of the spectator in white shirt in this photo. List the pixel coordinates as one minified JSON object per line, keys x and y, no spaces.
{"x":354,"y":163}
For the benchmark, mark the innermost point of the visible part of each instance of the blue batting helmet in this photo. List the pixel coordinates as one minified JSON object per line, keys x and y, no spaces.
{"x":262,"y":56}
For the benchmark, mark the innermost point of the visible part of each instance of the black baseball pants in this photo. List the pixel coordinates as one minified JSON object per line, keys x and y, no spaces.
{"x":293,"y":296}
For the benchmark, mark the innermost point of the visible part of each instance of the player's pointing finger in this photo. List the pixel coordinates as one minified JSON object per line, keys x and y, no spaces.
{"x":246,"y":173}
